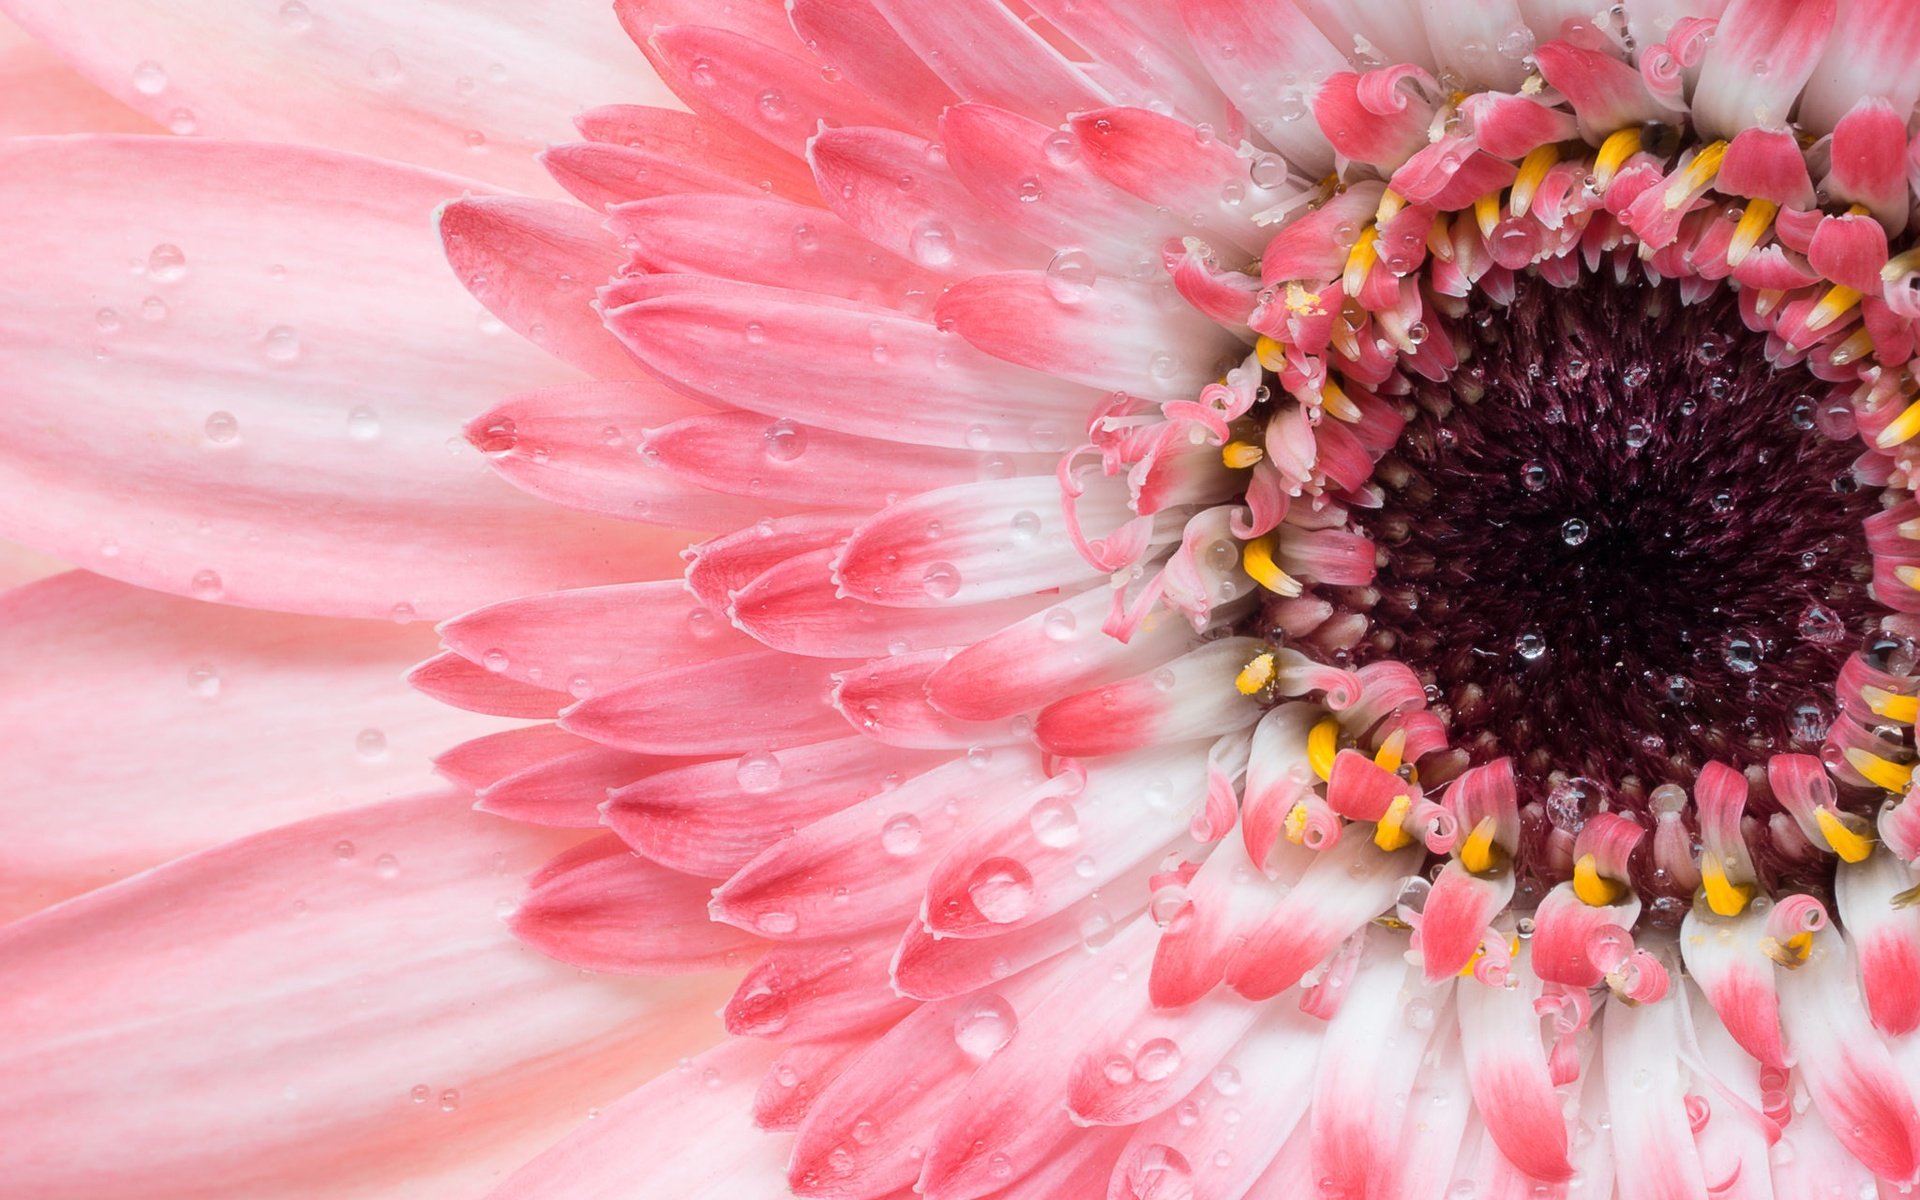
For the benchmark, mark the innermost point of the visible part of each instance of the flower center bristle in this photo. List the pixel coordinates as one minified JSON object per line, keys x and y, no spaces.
{"x":1619,"y":544}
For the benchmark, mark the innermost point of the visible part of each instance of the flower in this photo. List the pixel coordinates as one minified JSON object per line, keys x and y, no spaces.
{"x":1308,"y":598}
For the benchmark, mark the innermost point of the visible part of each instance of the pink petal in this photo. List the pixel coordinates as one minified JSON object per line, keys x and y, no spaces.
{"x":887,"y":700}
{"x":676,"y":151}
{"x":575,"y":445}
{"x":1344,"y":888}
{"x":566,"y":790}
{"x":590,"y":639}
{"x":806,"y":990}
{"x":865,"y":866}
{"x":1169,"y":163}
{"x":357,"y":981}
{"x":1115,"y":337}
{"x":279,"y":442}
{"x":719,"y":568}
{"x":934,"y":220}
{"x":1264,"y":56}
{"x":360,"y":76}
{"x":1869,"y":54}
{"x":483,"y":761}
{"x":224,"y":722}
{"x":1142,"y":1060}
{"x":1606,"y":94}
{"x":45,"y":95}
{"x":1654,"y":1152}
{"x":757,"y":239}
{"x":1737,"y":979}
{"x":1886,"y":938}
{"x":1189,"y":697}
{"x":856,"y":41}
{"x":797,"y":1077}
{"x":451,"y":679}
{"x":535,"y":265}
{"x":691,"y":1127}
{"x":1507,"y":1069}
{"x":772,"y":700}
{"x":1456,"y":916}
{"x":839,"y":365}
{"x":988,"y":55}
{"x":1762,"y":53}
{"x":1227,"y":898}
{"x":603,"y":907}
{"x":711,"y":818}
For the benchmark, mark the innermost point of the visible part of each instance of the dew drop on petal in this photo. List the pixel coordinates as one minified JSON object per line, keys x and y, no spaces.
{"x":900,"y":836}
{"x":1574,"y":531}
{"x":941,"y":580}
{"x":149,"y":78}
{"x":1060,"y":624}
{"x":985,"y":1025}
{"x":931,"y":244}
{"x":384,"y":66}
{"x":1055,"y":823}
{"x":203,"y":681}
{"x":206,"y":585}
{"x":1070,"y":276}
{"x":387,"y":867}
{"x":363,"y":424}
{"x":1158,"y":1059}
{"x":784,"y":441}
{"x":282,"y":344}
{"x":222,"y":428}
{"x":1001,"y":890}
{"x":758,"y":772}
{"x":370,"y":744}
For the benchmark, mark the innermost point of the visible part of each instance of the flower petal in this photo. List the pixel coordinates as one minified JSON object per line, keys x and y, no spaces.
{"x":261,"y":424}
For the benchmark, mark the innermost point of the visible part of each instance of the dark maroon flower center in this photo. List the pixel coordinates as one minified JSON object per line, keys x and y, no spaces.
{"x":1619,"y":543}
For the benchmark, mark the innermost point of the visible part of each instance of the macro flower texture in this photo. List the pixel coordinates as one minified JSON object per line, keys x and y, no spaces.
{"x":1149,"y":599}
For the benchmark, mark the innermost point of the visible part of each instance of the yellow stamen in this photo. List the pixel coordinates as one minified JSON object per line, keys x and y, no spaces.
{"x":1800,"y":945}
{"x":1766,"y":300}
{"x":1388,"y":756}
{"x":1486,"y":213}
{"x":1255,"y":675}
{"x":1440,"y":238}
{"x":1533,"y":169}
{"x":1724,"y":896}
{"x":1257,"y":557}
{"x":1478,"y":852}
{"x":1695,"y":175}
{"x":1891,"y":705}
{"x":1902,"y":428}
{"x":1272,"y":355}
{"x":1391,"y":202}
{"x":1850,"y":844}
{"x":1335,"y":401}
{"x":1322,"y":744}
{"x":1621,"y":145}
{"x":1910,"y":530}
{"x":1837,"y":303}
{"x":1904,"y":263}
{"x":1360,"y":261}
{"x":1909,"y":576}
{"x":1892,"y":776}
{"x":1297,"y":824}
{"x":1389,"y":833}
{"x":1856,"y":346}
{"x":1302,"y":302}
{"x":1755,"y":219}
{"x":1591,"y":886}
{"x":1241,"y":455}
{"x":1792,"y":953}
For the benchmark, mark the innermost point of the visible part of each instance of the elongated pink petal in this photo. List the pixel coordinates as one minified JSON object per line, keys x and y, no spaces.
{"x":1458,"y":911}
{"x":856,"y":41}
{"x":45,"y":95}
{"x":590,"y":639}
{"x":986,"y":54}
{"x":887,"y":700}
{"x":1870,"y":53}
{"x":692,"y":1127}
{"x":602,"y":907}
{"x":866,"y":865}
{"x":360,"y":76}
{"x":796,"y":1079}
{"x":723,"y":566}
{"x":711,"y":818}
{"x":568,"y":789}
{"x":289,"y":414}
{"x":1143,"y":1060}
{"x":682,"y":153}
{"x":405,"y":1032}
{"x":772,"y":700}
{"x":804,"y":990}
{"x":1265,"y":57}
{"x":1762,"y":52}
{"x":451,"y":679}
{"x":1507,"y":1070}
{"x":483,"y":761}
{"x":1654,"y":1155}
{"x":1344,"y":888}
{"x":1885,"y":937}
{"x":535,"y":265}
{"x":225,"y":722}
{"x":1188,"y":697}
{"x":837,"y":364}
{"x":1737,"y":978}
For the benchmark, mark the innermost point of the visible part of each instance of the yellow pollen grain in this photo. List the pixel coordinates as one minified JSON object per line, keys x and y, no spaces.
{"x":1477,"y":852}
{"x":1891,"y":776}
{"x":1891,"y":705}
{"x":1725,"y":897}
{"x":1486,"y":213}
{"x":1901,"y":428}
{"x":1591,"y":886}
{"x":1323,"y":742}
{"x":1241,"y":455}
{"x":1533,"y":169}
{"x":1257,"y":557}
{"x":1336,"y":402}
{"x":1390,"y":833}
{"x":1297,"y":824}
{"x":1272,"y":355}
{"x":1696,"y":175}
{"x":1838,"y":302}
{"x":1392,"y":751}
{"x":1303,"y":303}
{"x":1851,"y":845}
{"x":1621,"y":145}
{"x":1792,"y":953}
{"x":1755,"y":219}
{"x":1255,"y":675}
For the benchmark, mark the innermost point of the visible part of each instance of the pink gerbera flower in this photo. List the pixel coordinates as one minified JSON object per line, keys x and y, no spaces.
{"x":1296,"y":599}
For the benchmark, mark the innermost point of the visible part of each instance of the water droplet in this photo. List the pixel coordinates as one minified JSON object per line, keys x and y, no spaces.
{"x":387,"y":867}
{"x":183,"y":122}
{"x":1570,"y":802}
{"x":344,"y":850}
{"x":149,"y":78}
{"x":1533,"y":476}
{"x":295,"y":17}
{"x":931,"y":244}
{"x":449,"y":1100}
{"x":166,"y":263}
{"x":1025,"y":525}
{"x":421,"y":1093}
{"x":494,"y":660}
{"x":363,"y":424}
{"x":984,"y":1026}
{"x":370,"y":744}
{"x":1055,"y":823}
{"x":282,"y":343}
{"x":1638,"y":435}
{"x":1573,"y":532}
{"x":758,"y":772}
{"x":384,"y":65}
{"x":1029,"y":190}
{"x":1157,"y":1060}
{"x":784,"y":441}
{"x":1530,"y":645}
{"x":1418,"y":1013}
{"x":900,"y":836}
{"x":941,"y":580}
{"x":773,"y":105}
{"x":402,"y":613}
{"x":1821,"y":625}
{"x":203,"y":681}
{"x":206,"y":585}
{"x":1070,"y":276}
{"x":776,"y":923}
{"x":1743,"y":654}
{"x":1636,"y":376}
{"x":1060,"y":624}
{"x":222,"y":428}
{"x":1001,"y":890}
{"x":1063,"y":149}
